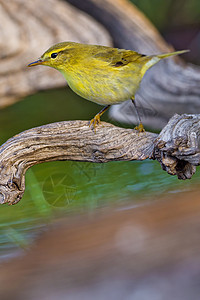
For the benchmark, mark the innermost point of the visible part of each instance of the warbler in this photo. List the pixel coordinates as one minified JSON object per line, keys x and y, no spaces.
{"x":101,"y":74}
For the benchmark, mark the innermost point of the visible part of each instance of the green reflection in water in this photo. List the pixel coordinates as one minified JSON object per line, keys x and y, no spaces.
{"x":57,"y":188}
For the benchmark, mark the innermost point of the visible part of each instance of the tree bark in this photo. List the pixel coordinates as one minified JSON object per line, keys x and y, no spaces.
{"x":177,"y":148}
{"x":170,"y":86}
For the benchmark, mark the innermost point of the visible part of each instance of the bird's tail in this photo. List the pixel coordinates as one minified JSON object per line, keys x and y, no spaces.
{"x":153,"y":59}
{"x":171,"y":53}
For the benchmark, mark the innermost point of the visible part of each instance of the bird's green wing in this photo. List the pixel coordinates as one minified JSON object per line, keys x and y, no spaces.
{"x":117,"y":57}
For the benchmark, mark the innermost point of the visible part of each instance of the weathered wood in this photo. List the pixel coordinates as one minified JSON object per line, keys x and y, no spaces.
{"x":28,"y":28}
{"x":177,"y":148}
{"x":171,"y":86}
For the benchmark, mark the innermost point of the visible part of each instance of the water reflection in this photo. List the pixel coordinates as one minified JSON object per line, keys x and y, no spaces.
{"x":71,"y":188}
{"x":149,"y":252}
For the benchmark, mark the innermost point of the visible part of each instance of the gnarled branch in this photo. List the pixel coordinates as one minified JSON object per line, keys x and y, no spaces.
{"x":177,"y":148}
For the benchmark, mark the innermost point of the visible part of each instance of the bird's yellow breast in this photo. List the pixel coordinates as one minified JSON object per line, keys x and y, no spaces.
{"x":102,"y":83}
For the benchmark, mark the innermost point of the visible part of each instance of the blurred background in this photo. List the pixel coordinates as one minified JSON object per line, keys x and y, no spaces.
{"x":177,"y":21}
{"x":74,"y":194}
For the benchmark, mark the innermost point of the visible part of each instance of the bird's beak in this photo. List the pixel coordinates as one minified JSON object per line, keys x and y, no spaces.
{"x":37,"y":62}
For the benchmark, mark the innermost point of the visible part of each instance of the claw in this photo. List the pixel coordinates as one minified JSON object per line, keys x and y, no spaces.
{"x":95,"y":121}
{"x":140,"y":128}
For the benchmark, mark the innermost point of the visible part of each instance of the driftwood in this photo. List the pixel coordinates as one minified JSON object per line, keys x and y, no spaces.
{"x":171,"y":86}
{"x":177,"y":148}
{"x":28,"y":28}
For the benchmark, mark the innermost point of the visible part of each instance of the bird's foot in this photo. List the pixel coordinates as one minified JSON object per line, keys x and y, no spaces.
{"x":95,"y":121}
{"x":140,"y":128}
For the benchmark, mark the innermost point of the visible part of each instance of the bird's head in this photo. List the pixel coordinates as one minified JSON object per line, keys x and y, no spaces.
{"x":56,"y":56}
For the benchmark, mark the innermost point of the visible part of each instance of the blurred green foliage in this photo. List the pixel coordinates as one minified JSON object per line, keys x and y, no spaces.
{"x":170,"y":13}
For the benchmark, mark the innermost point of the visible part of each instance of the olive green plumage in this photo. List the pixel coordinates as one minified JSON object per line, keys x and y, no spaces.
{"x":100,"y":74}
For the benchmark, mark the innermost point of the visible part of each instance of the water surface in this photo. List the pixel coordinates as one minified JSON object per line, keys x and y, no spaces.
{"x":65,"y":188}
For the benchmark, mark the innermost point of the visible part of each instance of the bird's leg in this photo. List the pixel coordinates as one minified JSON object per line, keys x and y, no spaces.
{"x":140,"y":126}
{"x":96,"y":120}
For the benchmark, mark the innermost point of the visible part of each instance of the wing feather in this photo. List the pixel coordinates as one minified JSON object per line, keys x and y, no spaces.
{"x":118,"y":57}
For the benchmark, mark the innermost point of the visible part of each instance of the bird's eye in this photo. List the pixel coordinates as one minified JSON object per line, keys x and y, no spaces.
{"x":54,"y":55}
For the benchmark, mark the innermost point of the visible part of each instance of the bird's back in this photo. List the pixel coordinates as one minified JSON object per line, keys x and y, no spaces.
{"x":105,"y":75}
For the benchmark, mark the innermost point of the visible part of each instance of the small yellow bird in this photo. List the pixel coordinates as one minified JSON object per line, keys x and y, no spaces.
{"x":100,"y":74}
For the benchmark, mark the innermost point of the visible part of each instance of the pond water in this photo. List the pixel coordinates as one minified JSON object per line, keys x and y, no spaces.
{"x":66,"y":188}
